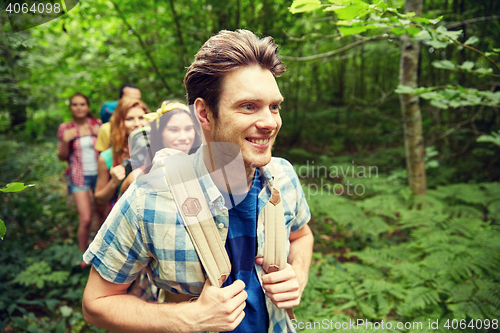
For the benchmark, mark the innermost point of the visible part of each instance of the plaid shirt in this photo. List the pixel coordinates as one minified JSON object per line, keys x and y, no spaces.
{"x":144,"y":228}
{"x":75,"y":149}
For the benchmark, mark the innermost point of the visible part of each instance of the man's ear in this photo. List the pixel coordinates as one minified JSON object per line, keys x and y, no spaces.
{"x":204,"y":114}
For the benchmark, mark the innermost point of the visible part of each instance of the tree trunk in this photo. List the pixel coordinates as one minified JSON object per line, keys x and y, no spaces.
{"x":410,"y":107}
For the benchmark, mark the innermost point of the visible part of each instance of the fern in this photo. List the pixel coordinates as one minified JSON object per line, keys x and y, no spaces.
{"x":40,"y":273}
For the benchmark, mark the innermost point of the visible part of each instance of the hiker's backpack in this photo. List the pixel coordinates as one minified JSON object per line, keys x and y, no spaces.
{"x":197,"y":218}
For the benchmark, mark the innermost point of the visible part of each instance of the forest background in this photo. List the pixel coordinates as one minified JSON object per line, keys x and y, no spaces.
{"x":381,"y":252}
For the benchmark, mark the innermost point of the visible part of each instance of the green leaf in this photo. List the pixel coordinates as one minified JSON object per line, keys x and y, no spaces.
{"x":300,"y":6}
{"x":445,"y":33}
{"x":14,"y":187}
{"x":3,"y":229}
{"x":412,"y":31}
{"x":439,"y":104}
{"x":484,"y":70}
{"x":66,"y":311}
{"x":443,"y":64}
{"x":422,"y":35}
{"x":346,"y":31}
{"x":351,"y":12}
{"x":404,"y":90}
{"x":20,"y":322}
{"x":471,"y":40}
{"x":398,"y":31}
{"x":436,"y":20}
{"x":420,"y":19}
{"x":437,"y":44}
{"x":467,"y":65}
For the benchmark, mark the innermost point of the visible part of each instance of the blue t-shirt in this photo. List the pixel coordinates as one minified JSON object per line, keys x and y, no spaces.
{"x":107,"y":110}
{"x":241,"y":247}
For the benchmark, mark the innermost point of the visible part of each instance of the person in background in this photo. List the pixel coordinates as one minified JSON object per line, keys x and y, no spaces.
{"x":172,"y":126}
{"x":107,"y":110}
{"x":128,"y":115}
{"x":76,"y":145}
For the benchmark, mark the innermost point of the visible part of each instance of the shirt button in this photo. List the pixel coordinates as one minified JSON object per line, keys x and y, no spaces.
{"x":220,"y":225}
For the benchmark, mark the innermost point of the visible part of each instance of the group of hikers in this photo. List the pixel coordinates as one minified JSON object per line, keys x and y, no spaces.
{"x":224,"y":173}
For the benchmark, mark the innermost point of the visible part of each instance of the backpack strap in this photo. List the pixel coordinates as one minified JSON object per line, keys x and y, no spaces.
{"x":192,"y":206}
{"x":275,"y":231}
{"x":275,"y":257}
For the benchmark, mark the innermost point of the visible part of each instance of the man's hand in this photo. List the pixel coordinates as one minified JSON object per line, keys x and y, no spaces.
{"x":220,"y":309}
{"x":282,"y":287}
{"x":69,"y":135}
{"x":117,"y":174}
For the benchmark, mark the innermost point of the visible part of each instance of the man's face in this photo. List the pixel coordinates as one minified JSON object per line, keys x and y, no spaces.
{"x":249,"y":113}
{"x":132,"y":92}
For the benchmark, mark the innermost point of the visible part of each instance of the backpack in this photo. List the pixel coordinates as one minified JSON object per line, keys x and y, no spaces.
{"x":197,"y":217}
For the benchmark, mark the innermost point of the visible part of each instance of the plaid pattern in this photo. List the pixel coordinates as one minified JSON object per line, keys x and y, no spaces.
{"x":144,"y":228}
{"x":75,"y":150}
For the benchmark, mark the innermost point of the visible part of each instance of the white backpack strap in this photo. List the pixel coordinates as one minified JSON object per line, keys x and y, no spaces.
{"x":191,"y":203}
{"x":275,"y":233}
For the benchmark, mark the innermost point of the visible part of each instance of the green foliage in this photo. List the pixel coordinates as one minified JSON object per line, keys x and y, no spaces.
{"x":493,"y":138}
{"x":39,"y":259}
{"x":39,"y":273}
{"x":11,"y":187}
{"x":453,"y":96}
{"x":14,"y":187}
{"x":393,"y":257}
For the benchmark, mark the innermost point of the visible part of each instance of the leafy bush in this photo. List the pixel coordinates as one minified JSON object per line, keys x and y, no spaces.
{"x":397,"y":258}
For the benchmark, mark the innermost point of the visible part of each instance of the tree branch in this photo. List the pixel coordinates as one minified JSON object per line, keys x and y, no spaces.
{"x":477,"y":51}
{"x":474,"y":20}
{"x":459,"y":125}
{"x":335,"y":36}
{"x":143,"y":45}
{"x":179,"y":33}
{"x":331,"y":53}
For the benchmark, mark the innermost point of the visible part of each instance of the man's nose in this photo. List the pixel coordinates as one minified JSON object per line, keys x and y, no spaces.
{"x":268,"y":120}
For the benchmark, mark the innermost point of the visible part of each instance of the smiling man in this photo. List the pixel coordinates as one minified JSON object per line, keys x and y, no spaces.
{"x":236,"y":100}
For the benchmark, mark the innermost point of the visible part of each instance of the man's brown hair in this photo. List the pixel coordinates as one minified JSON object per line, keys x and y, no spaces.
{"x":222,"y":53}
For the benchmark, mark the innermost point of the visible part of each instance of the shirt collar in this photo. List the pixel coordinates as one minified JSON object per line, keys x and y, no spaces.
{"x":211,"y":191}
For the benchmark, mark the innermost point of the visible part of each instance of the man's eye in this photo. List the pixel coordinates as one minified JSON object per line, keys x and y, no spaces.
{"x":248,"y":107}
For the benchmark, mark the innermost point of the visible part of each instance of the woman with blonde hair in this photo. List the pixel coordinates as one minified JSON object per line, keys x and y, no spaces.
{"x":128,"y":115}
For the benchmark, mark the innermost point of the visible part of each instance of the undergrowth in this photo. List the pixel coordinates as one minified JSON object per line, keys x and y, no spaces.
{"x":389,"y":256}
{"x":380,"y":253}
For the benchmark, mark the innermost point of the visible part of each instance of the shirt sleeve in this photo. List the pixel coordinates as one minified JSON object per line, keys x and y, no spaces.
{"x":118,"y":252}
{"x":302,"y":212}
{"x":103,"y":138}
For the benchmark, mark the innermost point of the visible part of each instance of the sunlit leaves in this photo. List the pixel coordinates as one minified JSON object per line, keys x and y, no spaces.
{"x":3,"y":229}
{"x":467,"y":65}
{"x":11,"y":187}
{"x":443,"y":64}
{"x":453,"y":96}
{"x":471,"y":40}
{"x":493,"y":138}
{"x":350,"y":12}
{"x":300,"y":6}
{"x":14,"y":187}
